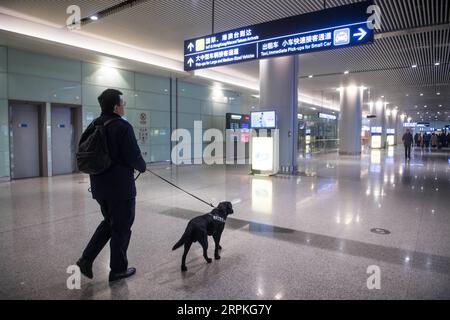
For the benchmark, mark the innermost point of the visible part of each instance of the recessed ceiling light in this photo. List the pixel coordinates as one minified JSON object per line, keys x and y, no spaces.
{"x":440,"y":106}
{"x":438,"y":93}
{"x":421,"y":94}
{"x":437,"y":64}
{"x":95,"y":18}
{"x":311,"y":76}
{"x":414,"y":65}
{"x":346,"y":72}
{"x":425,"y":107}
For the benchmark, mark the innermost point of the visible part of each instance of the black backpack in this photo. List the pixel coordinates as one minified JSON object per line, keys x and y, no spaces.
{"x":93,"y":154}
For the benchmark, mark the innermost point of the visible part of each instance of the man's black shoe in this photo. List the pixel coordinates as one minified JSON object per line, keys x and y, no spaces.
{"x":113,"y":276}
{"x":85,"y":268}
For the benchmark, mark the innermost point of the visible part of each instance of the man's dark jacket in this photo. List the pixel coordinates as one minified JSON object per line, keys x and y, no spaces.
{"x":117,"y":183}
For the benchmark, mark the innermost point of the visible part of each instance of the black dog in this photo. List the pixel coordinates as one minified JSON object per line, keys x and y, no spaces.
{"x":199,"y":228}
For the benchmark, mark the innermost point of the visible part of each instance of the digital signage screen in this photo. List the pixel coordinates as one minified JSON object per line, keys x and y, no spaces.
{"x":333,"y":28}
{"x":237,"y":121}
{"x":390,"y":131}
{"x":263,"y":120}
{"x":376,"y":130}
{"x":327,"y":116}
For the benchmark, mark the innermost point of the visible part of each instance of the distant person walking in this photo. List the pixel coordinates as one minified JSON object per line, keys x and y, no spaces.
{"x":427,"y":138}
{"x":407,"y":142}
{"x":441,"y":141}
{"x":422,"y":141}
{"x":417,"y":139}
{"x":434,"y":141}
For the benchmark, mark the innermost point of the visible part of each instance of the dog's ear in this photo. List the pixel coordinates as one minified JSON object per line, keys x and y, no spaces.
{"x":229,"y":209}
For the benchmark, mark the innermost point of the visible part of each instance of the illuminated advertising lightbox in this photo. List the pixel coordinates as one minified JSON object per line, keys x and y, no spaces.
{"x":390,"y":140}
{"x":263,"y":120}
{"x":390,"y":131}
{"x":333,"y":28}
{"x":262,"y":156}
{"x":375,"y":142}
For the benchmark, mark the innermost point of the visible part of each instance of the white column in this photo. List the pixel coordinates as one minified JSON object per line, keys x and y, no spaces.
{"x":350,"y":121}
{"x":394,"y":123}
{"x":278,"y":81}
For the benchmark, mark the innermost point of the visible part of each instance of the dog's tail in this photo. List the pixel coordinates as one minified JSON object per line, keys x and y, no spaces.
{"x":182,"y":240}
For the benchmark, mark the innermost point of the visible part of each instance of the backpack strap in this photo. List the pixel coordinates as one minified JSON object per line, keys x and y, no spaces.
{"x":106,"y":123}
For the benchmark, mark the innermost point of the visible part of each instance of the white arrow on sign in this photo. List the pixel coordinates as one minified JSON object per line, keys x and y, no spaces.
{"x":361,"y":34}
{"x":190,"y":62}
{"x":191,"y":46}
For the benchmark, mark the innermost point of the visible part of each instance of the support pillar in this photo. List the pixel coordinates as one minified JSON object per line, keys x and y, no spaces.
{"x":350,"y":121}
{"x":279,"y":92}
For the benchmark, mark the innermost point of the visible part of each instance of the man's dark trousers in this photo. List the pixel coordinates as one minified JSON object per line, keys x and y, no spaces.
{"x":407,"y":151}
{"x":119,"y":217}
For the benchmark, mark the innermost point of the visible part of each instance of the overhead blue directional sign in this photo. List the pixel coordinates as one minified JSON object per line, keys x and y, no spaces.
{"x":328,"y":29}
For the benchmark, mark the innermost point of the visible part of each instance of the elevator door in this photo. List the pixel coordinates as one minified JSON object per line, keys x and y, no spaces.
{"x":25,"y":142}
{"x":63,"y":151}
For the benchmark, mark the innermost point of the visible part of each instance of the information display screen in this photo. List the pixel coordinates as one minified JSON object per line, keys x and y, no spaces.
{"x":376,"y":130}
{"x":263,"y":120}
{"x":333,"y":28}
{"x":327,"y":116}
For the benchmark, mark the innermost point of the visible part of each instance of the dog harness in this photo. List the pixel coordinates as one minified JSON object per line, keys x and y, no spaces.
{"x":217,"y":218}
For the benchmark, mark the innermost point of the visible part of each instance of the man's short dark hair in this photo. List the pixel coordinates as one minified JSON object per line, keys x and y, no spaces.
{"x":109,"y":99}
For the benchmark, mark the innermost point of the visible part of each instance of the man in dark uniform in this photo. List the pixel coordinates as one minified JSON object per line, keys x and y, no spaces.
{"x":407,"y":142}
{"x":115,"y":190}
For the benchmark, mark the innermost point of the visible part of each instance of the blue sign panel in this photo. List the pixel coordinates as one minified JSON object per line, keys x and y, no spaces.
{"x":328,"y":29}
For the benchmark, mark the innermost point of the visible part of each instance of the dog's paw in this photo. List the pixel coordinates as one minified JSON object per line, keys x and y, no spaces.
{"x":208,"y":260}
{"x":217,"y":257}
{"x":183,"y":268}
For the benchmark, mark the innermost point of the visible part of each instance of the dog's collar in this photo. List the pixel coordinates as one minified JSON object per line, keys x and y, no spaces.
{"x":217,"y":218}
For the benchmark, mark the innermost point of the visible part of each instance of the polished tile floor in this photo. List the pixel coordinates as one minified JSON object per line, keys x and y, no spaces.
{"x":291,"y":237}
